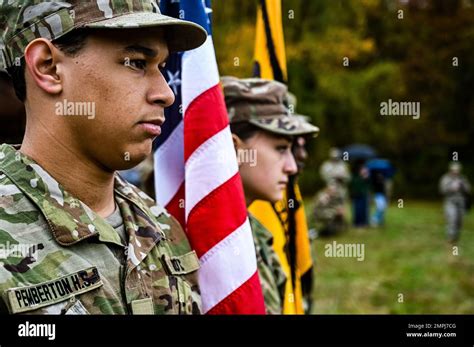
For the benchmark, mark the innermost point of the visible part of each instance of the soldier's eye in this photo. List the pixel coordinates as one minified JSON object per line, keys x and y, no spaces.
{"x":139,"y":64}
{"x":282,"y":149}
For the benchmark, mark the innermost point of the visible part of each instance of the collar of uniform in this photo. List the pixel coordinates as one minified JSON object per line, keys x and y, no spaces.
{"x":141,"y":219}
{"x":134,"y":195}
{"x":70,"y":220}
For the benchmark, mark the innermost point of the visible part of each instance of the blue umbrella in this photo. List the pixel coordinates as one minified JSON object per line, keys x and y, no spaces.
{"x":381,"y":165}
{"x":359,"y":152}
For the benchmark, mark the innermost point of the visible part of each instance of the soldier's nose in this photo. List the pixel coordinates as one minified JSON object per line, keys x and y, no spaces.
{"x":290,"y":167}
{"x":161,"y":93}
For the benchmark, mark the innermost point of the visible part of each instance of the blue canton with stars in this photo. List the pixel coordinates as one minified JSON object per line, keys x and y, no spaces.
{"x":197,"y":11}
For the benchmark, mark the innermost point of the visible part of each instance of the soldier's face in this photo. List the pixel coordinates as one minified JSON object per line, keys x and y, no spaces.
{"x":300,"y":153}
{"x":266,"y":177}
{"x":118,"y":78}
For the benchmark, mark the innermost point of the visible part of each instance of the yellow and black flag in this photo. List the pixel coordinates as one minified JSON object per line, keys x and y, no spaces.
{"x":270,"y":56}
{"x":286,"y":219}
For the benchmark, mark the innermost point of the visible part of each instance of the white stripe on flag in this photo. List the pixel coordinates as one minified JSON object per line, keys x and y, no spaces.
{"x":233,"y":259}
{"x":200,"y":72}
{"x":211,"y":164}
{"x":169,"y":166}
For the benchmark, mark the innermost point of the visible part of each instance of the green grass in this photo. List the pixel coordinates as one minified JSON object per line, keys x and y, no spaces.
{"x":409,"y":256}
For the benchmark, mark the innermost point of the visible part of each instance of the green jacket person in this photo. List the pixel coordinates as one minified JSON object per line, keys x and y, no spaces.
{"x":74,"y":237}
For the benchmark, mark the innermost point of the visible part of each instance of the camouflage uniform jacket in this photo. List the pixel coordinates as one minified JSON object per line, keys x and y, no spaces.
{"x":272,"y":277}
{"x":327,"y":205}
{"x":57,"y":255}
{"x":454,"y":187}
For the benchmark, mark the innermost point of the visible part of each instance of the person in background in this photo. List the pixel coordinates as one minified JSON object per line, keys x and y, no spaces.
{"x":359,"y":192}
{"x":336,"y":170}
{"x":301,"y":260}
{"x":298,"y":239}
{"x":329,"y":211}
{"x":456,"y":189}
{"x":377,"y":180}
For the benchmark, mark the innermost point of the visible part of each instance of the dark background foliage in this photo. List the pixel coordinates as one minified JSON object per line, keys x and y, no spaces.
{"x":408,"y":59}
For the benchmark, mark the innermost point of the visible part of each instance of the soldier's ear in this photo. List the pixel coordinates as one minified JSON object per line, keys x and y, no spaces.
{"x":238,"y":143}
{"x":42,"y":63}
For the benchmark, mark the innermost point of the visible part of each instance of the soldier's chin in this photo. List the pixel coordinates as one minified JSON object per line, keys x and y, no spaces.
{"x":128,"y":160}
{"x":275,"y":197}
{"x":127,"y":165}
{"x":136,"y":153}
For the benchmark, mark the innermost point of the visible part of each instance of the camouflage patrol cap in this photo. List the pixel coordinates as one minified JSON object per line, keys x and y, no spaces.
{"x":263,"y":103}
{"x":22,"y":21}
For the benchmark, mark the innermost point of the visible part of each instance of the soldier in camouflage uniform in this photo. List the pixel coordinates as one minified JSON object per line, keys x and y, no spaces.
{"x":455,"y":188}
{"x":262,"y":124}
{"x":329,"y":210}
{"x":336,"y":170}
{"x":75,"y":238}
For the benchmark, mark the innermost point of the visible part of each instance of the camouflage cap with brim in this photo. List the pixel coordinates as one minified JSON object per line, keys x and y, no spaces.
{"x":306,"y":123}
{"x":26,"y":20}
{"x":264,"y":104}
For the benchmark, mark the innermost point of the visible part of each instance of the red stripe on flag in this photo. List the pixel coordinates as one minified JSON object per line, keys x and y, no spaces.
{"x":205,"y":117}
{"x":247,"y":299}
{"x":216,"y":216}
{"x":176,"y":206}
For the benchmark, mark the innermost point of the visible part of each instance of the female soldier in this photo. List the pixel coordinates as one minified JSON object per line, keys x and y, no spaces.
{"x":263,"y":130}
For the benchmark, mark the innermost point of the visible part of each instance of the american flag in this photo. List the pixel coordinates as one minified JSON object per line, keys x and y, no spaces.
{"x":197,"y":177}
